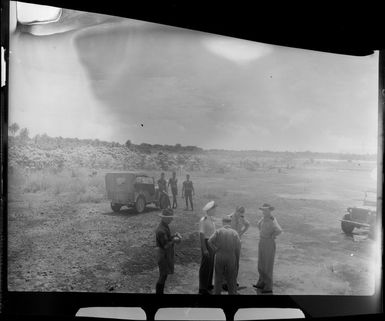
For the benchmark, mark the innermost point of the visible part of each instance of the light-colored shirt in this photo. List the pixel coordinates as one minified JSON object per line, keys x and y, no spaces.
{"x":238,"y":222}
{"x":269,"y":228}
{"x":206,"y":226}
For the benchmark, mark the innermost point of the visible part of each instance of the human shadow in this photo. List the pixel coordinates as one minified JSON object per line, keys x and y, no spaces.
{"x":131,"y":211}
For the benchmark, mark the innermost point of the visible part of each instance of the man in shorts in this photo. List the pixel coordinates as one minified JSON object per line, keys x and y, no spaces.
{"x":173,"y":183}
{"x":188,"y":192}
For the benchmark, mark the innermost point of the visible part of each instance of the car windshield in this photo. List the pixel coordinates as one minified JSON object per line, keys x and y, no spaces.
{"x":371,"y":197}
{"x":144,"y":180}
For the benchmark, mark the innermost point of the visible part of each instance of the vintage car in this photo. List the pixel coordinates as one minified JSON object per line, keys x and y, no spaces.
{"x":363,"y":216}
{"x":134,"y":189}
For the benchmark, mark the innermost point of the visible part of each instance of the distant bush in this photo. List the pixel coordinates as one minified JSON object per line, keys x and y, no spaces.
{"x":13,"y":128}
{"x":24,"y":134}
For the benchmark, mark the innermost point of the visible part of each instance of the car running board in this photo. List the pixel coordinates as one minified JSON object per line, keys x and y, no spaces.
{"x":356,"y":223}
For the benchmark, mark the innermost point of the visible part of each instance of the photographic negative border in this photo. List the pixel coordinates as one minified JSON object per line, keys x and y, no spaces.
{"x":287,"y":31}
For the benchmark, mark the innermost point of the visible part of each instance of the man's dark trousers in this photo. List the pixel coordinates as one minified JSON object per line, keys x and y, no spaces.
{"x":188,"y":196}
{"x":206,"y":269}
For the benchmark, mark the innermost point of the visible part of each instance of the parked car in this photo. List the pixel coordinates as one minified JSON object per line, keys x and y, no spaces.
{"x":134,"y":189}
{"x":363,"y":217}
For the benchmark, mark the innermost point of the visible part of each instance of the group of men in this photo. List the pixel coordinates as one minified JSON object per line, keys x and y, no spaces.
{"x":220,"y":248}
{"x":187,"y":189}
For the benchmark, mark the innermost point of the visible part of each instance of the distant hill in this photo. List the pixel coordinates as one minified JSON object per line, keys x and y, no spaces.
{"x":43,"y":151}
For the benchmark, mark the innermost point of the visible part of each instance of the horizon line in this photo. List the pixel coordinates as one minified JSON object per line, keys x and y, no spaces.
{"x":214,"y":149}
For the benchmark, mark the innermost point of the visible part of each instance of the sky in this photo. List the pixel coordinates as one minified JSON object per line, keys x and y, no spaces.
{"x":120,"y":79}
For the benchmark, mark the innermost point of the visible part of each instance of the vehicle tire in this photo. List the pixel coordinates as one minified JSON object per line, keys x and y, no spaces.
{"x":140,"y":204}
{"x":116,"y":207}
{"x":347,"y":227}
{"x":164,"y":202}
{"x":372,"y":228}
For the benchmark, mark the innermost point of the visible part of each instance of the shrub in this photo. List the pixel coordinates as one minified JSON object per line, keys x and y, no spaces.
{"x":36,"y":181}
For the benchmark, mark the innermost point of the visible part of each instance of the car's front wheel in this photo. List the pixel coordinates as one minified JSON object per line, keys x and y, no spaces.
{"x":140,"y":204}
{"x":347,"y":227}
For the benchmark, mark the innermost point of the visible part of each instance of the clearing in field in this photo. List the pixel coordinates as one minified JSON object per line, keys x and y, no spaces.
{"x":63,"y":235}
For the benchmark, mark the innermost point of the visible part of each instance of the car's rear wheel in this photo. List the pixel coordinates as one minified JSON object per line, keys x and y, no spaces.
{"x":140,"y":204}
{"x":164,"y":202}
{"x":372,"y":227}
{"x":116,"y":207}
{"x":347,"y":227}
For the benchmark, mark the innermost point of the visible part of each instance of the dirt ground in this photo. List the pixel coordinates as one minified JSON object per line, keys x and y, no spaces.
{"x":56,"y":245}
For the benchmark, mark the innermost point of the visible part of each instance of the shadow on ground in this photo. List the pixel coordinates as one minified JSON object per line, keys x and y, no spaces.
{"x":130,"y":212}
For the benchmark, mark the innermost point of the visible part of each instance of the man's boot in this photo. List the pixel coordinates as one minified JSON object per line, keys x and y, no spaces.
{"x":159,"y":288}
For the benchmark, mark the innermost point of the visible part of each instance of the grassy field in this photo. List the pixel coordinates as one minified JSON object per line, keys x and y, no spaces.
{"x":63,"y":235}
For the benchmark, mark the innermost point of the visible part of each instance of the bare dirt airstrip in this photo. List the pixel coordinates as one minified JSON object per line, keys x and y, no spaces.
{"x":58,"y":244}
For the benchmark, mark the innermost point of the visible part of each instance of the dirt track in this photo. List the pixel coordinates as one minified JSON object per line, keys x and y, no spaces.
{"x":55,"y":245}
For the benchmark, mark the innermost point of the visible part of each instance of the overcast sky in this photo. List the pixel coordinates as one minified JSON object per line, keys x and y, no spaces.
{"x":191,"y":88}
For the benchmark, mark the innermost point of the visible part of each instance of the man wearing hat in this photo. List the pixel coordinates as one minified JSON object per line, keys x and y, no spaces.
{"x":238,"y":221}
{"x":239,"y":224}
{"x":165,"y":243}
{"x":269,"y":230}
{"x":227,"y":245}
{"x":206,"y":229}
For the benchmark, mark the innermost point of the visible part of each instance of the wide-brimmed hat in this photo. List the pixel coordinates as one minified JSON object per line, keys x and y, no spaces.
{"x":167,"y":212}
{"x":226,"y":219}
{"x":209,"y":206}
{"x":266,"y":206}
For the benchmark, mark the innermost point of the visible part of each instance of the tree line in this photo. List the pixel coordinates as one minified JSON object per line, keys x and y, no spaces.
{"x":46,"y":142}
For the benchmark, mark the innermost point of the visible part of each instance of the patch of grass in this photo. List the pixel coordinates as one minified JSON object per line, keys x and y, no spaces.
{"x":82,"y":186}
{"x":36,"y":181}
{"x":91,"y":197}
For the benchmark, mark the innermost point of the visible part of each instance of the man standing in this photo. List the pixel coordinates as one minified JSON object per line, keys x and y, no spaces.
{"x":188,"y":192}
{"x":227,"y":245}
{"x":238,"y":221}
{"x":162,"y":184}
{"x":165,"y":243}
{"x":239,"y":224}
{"x":269,"y":229}
{"x":173,"y":182}
{"x":206,"y":229}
